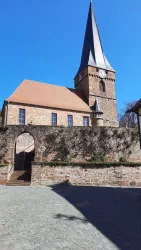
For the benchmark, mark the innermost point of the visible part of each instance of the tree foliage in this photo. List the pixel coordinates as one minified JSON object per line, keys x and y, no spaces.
{"x":128,"y":119}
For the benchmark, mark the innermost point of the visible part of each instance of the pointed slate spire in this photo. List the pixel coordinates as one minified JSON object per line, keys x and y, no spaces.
{"x":92,"y":53}
{"x":96,"y":107}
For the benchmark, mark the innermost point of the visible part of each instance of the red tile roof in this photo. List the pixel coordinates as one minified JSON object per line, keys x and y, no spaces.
{"x":47,"y":95}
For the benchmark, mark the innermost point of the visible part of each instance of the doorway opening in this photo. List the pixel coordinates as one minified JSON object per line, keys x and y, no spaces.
{"x":24,"y":155}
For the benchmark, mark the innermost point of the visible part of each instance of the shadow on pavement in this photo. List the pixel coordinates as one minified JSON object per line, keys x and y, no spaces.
{"x":115,"y":212}
{"x":71,"y":218}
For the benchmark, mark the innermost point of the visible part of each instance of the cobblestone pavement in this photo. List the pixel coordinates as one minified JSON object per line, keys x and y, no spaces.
{"x":66,"y":218}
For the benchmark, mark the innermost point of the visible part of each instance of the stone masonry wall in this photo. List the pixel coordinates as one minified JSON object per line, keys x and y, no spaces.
{"x":107,"y":100}
{"x":4,"y":174}
{"x":74,"y":144}
{"x":108,"y":107}
{"x":43,"y":116}
{"x":81,"y":83}
{"x":94,"y":80}
{"x":103,"y":176}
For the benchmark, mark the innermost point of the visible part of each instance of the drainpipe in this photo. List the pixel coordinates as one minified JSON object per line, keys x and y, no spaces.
{"x":7,"y":113}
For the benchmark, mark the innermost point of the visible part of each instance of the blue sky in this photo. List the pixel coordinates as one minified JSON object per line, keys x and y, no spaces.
{"x":42,"y":40}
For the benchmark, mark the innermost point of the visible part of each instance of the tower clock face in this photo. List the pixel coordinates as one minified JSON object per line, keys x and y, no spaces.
{"x":102,"y":73}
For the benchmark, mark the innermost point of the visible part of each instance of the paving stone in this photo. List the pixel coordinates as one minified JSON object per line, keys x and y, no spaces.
{"x":39,"y":218}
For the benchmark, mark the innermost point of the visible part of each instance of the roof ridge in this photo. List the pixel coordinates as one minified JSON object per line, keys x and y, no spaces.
{"x":46,"y":83}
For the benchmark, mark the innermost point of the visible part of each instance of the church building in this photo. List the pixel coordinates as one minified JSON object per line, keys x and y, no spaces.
{"x":91,"y":103}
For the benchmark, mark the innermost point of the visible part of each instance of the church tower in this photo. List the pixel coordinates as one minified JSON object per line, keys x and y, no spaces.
{"x":96,"y":77}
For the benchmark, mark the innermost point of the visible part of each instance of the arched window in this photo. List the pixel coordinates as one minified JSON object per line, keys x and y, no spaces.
{"x":102,"y":86}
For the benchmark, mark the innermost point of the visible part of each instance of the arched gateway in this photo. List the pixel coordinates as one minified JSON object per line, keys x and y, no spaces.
{"x":24,"y":152}
{"x":23,"y":157}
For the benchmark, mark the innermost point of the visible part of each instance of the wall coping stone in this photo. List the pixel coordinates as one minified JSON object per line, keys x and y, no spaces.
{"x":5,"y":127}
{"x":88,"y":164}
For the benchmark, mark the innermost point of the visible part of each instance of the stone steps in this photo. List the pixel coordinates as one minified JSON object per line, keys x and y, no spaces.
{"x":19,"y":178}
{"x":18,"y":184}
{"x":16,"y":175}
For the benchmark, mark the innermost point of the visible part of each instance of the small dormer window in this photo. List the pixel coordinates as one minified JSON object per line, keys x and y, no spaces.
{"x":102,"y":86}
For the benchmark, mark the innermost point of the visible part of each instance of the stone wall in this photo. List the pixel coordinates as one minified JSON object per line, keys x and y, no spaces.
{"x":103,"y":176}
{"x":43,"y":116}
{"x":5,"y":172}
{"x":89,"y":83}
{"x":75,"y":144}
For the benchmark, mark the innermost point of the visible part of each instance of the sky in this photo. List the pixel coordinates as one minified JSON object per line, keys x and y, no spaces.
{"x":42,"y":40}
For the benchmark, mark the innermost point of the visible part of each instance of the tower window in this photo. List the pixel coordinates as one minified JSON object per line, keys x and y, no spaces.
{"x":70,"y":120}
{"x":54,"y":119}
{"x":85,"y":121}
{"x":22,"y":116}
{"x":102,"y":86}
